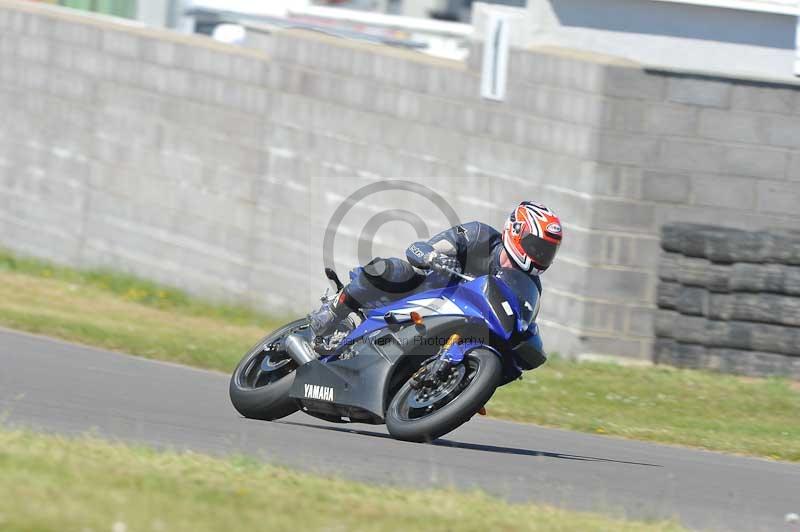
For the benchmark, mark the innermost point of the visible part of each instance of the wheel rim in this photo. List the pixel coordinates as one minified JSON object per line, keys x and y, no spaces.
{"x":267,"y":363}
{"x":414,"y":404}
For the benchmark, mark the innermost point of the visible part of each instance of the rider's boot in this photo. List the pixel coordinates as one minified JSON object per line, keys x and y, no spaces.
{"x":325,"y":320}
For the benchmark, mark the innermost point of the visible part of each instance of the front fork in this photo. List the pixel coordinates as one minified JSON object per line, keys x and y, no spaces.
{"x":451,"y":354}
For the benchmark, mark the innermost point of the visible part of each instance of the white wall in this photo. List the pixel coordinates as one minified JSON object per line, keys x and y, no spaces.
{"x":671,"y":34}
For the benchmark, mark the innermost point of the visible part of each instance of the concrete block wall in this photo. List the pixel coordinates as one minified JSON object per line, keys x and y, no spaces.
{"x":217,"y":169}
{"x":690,"y":148}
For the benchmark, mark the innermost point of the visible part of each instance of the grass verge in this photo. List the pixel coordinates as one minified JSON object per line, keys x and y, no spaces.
{"x":694,"y":408}
{"x":51,"y":483}
{"x":122,"y":313}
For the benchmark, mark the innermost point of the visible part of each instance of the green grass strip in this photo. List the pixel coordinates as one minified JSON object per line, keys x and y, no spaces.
{"x":50,"y":483}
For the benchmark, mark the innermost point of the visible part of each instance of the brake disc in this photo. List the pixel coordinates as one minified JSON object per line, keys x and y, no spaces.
{"x":428,"y":396}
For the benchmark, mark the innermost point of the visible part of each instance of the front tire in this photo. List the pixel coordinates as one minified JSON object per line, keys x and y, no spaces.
{"x":260,"y":384}
{"x":482,"y":374}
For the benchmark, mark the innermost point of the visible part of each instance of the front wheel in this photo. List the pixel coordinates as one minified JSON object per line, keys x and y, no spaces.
{"x":428,"y":413}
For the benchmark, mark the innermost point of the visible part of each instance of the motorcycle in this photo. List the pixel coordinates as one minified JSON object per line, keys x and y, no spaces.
{"x":423,"y":365}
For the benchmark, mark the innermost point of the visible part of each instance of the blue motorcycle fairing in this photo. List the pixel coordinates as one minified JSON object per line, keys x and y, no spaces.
{"x":466,"y":299}
{"x":487,"y":312}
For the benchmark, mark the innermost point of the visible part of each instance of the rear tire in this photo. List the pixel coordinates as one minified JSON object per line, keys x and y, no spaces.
{"x":270,"y":401}
{"x":460,"y":409}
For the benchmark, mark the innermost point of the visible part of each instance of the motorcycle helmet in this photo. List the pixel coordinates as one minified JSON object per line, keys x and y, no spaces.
{"x":532,"y":236}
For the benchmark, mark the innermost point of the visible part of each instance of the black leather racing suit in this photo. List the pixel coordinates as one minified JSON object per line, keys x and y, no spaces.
{"x":475,"y":246}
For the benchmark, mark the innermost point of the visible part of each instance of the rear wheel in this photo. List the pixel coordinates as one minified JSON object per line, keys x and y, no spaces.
{"x":427,"y":413}
{"x":260,"y":384}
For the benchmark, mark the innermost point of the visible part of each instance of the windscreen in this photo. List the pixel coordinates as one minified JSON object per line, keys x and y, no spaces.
{"x":524,"y":289}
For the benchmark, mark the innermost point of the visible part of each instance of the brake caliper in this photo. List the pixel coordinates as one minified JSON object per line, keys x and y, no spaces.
{"x":432,"y":374}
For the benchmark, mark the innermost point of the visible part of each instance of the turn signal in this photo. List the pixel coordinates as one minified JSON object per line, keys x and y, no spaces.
{"x":416,"y":318}
{"x":482,"y":411}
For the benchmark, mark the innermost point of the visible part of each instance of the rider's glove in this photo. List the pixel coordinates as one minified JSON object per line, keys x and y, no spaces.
{"x":423,"y":256}
{"x":420,"y":255}
{"x":445,"y":261}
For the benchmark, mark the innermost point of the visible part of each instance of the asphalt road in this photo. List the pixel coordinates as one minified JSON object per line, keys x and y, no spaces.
{"x":65,"y":388}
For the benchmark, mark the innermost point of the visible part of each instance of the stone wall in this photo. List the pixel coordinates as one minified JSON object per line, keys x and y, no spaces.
{"x":217,"y":169}
{"x":730,"y":300}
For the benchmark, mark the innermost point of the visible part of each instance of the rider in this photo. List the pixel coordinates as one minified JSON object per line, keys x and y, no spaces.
{"x":529,"y":241}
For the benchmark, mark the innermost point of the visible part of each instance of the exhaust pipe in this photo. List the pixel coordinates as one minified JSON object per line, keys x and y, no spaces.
{"x":298,"y":349}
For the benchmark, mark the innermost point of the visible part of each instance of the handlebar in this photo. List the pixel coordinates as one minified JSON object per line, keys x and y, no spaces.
{"x":445,"y":269}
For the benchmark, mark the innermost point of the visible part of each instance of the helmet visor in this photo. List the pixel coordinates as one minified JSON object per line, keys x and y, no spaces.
{"x":539,"y":250}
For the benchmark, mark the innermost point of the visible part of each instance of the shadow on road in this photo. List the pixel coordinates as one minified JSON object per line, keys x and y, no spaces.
{"x":474,"y":446}
{"x":528,"y":452}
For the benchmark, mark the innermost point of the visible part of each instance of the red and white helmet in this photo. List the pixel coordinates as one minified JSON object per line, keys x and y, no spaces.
{"x":531,"y":237}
